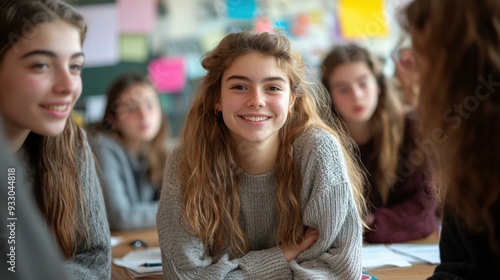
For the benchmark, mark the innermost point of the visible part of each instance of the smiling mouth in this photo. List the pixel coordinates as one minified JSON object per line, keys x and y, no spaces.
{"x":57,"y":108}
{"x":255,"y":119}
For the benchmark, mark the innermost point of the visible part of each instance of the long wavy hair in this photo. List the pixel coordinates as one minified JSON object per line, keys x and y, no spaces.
{"x":156,"y":151}
{"x":459,"y":100}
{"x":387,"y":124}
{"x":53,"y":162}
{"x":209,"y":171}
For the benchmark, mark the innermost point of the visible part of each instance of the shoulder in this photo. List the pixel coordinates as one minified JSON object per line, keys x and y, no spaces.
{"x":104,"y":143}
{"x":318,"y":147}
{"x":103,"y":140}
{"x":316,"y":141}
{"x":171,"y":174}
{"x":175,"y":157}
{"x":172,"y":164}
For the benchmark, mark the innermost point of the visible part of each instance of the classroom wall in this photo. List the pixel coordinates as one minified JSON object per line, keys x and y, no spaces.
{"x":166,"y":39}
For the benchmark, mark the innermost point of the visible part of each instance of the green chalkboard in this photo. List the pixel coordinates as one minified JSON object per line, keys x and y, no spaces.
{"x":97,"y":79}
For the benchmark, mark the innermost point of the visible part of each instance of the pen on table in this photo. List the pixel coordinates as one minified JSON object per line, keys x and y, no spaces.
{"x":151,"y":264}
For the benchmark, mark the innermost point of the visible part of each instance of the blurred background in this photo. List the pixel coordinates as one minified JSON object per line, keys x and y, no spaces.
{"x":166,"y":39}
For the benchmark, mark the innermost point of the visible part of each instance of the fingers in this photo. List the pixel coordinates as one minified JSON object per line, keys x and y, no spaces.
{"x":308,"y":239}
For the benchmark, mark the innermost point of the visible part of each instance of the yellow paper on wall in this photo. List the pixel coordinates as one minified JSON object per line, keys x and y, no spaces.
{"x":361,"y":19}
{"x":133,"y":48}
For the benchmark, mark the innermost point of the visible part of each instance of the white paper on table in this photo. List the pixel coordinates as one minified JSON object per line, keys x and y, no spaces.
{"x":375,"y":256}
{"x":425,"y":252}
{"x":115,"y":240}
{"x":135,"y":259}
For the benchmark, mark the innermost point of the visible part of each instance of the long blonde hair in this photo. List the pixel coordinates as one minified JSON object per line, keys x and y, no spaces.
{"x":459,"y":102}
{"x":54,"y":162}
{"x":387,"y":124}
{"x":209,"y":172}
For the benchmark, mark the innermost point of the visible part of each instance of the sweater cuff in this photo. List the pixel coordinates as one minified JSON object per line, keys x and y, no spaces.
{"x":266,"y":264}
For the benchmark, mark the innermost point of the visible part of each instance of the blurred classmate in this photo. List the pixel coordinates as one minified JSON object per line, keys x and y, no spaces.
{"x":132,"y":152}
{"x":399,"y":199}
{"x":260,"y":187}
{"x":459,"y":105}
{"x":40,"y":63}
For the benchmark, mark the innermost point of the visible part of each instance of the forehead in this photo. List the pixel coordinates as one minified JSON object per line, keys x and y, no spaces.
{"x":137,"y":93}
{"x":57,"y":36}
{"x":350,"y":71}
{"x":256,"y":66}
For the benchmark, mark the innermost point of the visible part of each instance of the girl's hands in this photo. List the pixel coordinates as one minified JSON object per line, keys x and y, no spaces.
{"x":307,"y":240}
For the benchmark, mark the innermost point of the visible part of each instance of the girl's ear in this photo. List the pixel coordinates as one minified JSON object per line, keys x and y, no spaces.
{"x":217,"y":108}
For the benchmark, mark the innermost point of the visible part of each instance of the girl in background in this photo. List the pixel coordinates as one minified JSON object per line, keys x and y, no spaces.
{"x":399,"y":199}
{"x":132,"y":152}
{"x":40,"y":63}
{"x":260,"y":187}
{"x":459,"y":107}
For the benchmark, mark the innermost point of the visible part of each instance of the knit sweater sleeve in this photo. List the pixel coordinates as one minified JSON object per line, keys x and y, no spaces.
{"x":92,"y":261}
{"x":328,"y":206}
{"x":184,"y":256}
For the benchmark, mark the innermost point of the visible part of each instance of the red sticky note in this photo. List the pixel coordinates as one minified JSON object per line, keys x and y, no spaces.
{"x":168,"y":74}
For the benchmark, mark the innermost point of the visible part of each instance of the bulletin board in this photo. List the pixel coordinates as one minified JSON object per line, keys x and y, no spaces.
{"x":167,"y":39}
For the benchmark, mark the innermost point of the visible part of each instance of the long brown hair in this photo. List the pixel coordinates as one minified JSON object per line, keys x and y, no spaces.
{"x":209,"y":172}
{"x":53,"y":161}
{"x":459,"y":102}
{"x":156,"y":151}
{"x":388,"y":121}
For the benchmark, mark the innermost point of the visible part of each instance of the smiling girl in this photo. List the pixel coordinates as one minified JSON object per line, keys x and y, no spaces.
{"x":260,"y":187}
{"x":40,"y":63}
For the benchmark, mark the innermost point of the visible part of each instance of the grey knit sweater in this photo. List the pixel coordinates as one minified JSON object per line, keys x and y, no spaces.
{"x":128,"y":191}
{"x":92,"y":262}
{"x":95,"y":262}
{"x":327,"y":205}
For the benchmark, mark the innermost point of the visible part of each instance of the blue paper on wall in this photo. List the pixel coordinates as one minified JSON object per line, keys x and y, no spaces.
{"x":241,"y":9}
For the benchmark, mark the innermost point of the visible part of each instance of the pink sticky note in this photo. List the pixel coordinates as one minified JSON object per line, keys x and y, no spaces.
{"x":168,"y":74}
{"x":263,"y":25}
{"x":136,"y":16}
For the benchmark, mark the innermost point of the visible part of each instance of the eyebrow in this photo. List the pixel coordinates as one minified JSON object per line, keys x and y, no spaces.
{"x":244,"y":78}
{"x":49,"y":53}
{"x":343,"y":83}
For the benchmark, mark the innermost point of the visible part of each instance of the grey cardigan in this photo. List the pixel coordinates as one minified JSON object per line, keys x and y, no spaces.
{"x":327,"y":205}
{"x":128,"y":192}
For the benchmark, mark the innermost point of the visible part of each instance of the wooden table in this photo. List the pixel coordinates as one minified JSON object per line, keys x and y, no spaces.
{"x":415,"y":272}
{"x":150,"y":236}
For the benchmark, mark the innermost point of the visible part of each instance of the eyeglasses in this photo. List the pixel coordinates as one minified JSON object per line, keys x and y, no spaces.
{"x":124,"y":110}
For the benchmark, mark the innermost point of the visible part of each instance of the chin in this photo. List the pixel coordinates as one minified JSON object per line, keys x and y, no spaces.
{"x":50,"y":131}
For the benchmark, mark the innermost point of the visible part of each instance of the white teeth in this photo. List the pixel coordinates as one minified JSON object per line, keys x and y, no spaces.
{"x":255,"y":119}
{"x":59,"y":108}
